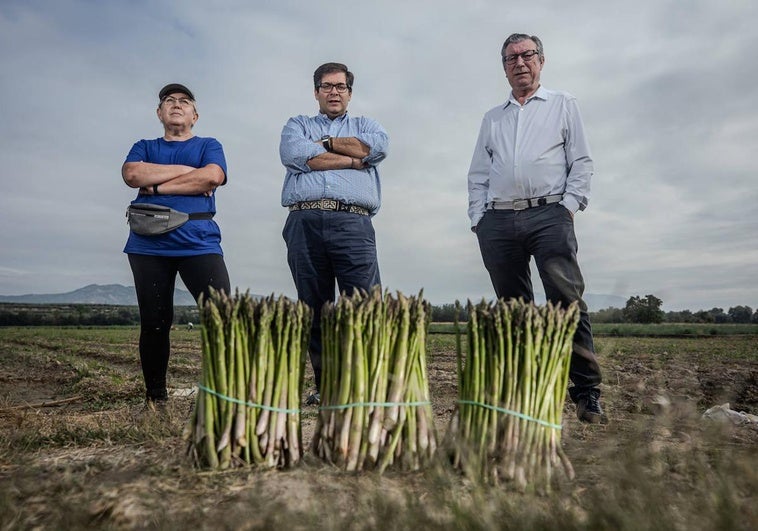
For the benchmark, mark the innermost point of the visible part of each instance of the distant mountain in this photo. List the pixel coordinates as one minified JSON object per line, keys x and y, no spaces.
{"x":113,"y":294}
{"x":118,"y":295}
{"x":602,"y":302}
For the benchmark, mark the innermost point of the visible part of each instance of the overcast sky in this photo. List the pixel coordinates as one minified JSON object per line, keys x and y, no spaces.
{"x":668,"y":91}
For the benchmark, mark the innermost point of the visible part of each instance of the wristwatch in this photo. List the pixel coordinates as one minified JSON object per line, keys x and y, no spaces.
{"x":326,"y":141}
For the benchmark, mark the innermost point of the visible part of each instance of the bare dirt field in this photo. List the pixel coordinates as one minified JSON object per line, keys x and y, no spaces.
{"x":78,"y":449}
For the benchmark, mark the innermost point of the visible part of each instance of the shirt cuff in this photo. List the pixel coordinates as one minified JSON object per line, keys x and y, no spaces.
{"x":570,"y":203}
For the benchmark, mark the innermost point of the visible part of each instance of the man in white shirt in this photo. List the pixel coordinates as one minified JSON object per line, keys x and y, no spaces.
{"x":529,"y":174}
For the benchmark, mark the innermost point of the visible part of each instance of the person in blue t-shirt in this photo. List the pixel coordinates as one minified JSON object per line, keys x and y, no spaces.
{"x":181,"y":171}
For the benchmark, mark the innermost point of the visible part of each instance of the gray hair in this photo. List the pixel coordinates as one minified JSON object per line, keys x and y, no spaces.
{"x":518,"y":37}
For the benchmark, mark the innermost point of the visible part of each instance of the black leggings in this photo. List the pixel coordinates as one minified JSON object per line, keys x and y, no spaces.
{"x":154,"y":278}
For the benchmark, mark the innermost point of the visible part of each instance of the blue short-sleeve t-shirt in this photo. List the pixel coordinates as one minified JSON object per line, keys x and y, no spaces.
{"x":195,"y":237}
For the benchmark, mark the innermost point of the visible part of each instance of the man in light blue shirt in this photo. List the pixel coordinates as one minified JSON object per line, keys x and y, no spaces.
{"x":529,"y":174}
{"x":332,"y":190}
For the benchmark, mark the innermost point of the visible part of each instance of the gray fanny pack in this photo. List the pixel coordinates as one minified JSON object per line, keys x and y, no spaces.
{"x":149,"y":220}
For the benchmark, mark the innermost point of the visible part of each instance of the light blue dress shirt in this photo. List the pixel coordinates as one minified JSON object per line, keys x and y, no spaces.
{"x":299,"y":144}
{"x":531,"y":150}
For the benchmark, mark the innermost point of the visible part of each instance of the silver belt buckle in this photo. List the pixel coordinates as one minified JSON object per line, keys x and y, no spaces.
{"x":520,"y":204}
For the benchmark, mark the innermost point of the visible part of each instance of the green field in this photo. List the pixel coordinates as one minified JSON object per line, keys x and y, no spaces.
{"x":78,"y":450}
{"x":643,"y":330}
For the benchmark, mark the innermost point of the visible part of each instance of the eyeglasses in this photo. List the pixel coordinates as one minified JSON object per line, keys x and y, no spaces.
{"x":526,"y":56}
{"x":183,"y":102}
{"x":326,"y":88}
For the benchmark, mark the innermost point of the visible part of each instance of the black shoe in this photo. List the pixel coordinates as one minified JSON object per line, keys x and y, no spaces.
{"x":588,"y":408}
{"x":313,"y":399}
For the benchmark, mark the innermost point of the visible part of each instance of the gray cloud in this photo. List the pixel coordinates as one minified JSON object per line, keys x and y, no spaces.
{"x":666,"y":89}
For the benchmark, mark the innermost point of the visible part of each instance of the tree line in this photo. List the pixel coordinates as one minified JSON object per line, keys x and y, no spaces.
{"x":83,"y":315}
{"x":638,"y":309}
{"x":647,"y":309}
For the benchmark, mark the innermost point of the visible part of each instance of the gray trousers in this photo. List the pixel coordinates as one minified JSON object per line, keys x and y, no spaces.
{"x":508,"y":239}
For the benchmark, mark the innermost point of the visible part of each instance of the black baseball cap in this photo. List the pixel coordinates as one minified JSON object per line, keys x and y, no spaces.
{"x":175,"y":87}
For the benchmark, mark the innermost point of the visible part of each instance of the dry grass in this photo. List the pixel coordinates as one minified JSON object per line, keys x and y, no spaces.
{"x":104,"y":462}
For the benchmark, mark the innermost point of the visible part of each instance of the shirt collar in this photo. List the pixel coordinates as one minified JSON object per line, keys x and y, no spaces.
{"x":541,"y":94}
{"x":325,"y":118}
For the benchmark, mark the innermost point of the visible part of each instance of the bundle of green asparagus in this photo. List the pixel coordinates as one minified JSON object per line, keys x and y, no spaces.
{"x":247,"y":409}
{"x":511,"y":389}
{"x":375,"y":408}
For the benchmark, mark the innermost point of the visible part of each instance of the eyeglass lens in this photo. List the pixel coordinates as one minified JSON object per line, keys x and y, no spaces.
{"x":327,"y":87}
{"x":526,"y":56}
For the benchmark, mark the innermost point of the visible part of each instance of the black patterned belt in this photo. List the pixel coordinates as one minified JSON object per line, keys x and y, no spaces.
{"x":329,"y":204}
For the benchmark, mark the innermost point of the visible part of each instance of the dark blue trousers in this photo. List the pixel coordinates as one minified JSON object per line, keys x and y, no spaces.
{"x":327,"y":249}
{"x":508,"y":239}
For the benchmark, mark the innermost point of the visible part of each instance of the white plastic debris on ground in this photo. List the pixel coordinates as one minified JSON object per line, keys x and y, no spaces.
{"x":725,"y":413}
{"x":183,"y":392}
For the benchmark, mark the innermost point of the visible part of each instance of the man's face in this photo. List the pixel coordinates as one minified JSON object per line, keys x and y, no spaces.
{"x":332,"y":103}
{"x":177,"y":109}
{"x":523,"y":75}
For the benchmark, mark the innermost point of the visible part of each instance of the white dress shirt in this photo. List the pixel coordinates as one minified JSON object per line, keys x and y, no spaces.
{"x":531,"y":150}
